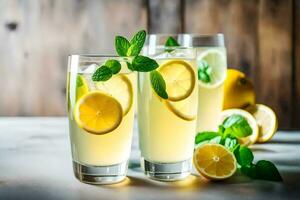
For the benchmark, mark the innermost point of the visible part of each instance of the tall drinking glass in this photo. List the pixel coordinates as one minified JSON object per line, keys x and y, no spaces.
{"x":167,"y":126}
{"x":100,"y":119}
{"x":212,"y":68}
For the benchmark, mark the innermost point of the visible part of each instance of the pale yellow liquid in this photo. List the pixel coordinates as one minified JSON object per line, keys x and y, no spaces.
{"x":163,"y":136}
{"x":210,"y":101}
{"x":100,"y":150}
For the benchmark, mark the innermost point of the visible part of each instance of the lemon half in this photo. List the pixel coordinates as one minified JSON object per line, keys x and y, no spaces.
{"x":266,"y":120}
{"x":214,"y":161}
{"x":251,"y":139}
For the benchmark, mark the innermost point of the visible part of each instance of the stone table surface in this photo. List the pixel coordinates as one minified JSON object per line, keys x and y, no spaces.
{"x":35,"y":163}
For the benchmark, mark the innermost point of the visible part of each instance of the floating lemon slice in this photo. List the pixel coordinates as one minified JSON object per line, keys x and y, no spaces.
{"x":82,"y":86}
{"x":179,"y":77}
{"x":119,"y":87}
{"x":214,"y":161}
{"x":184,"y":109}
{"x":251,"y":139}
{"x":266,"y":120}
{"x":216,"y":60}
{"x":98,"y":113}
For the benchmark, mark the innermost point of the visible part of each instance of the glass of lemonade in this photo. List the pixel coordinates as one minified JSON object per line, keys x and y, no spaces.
{"x":101,"y":118}
{"x":167,"y":127}
{"x":212,"y":68}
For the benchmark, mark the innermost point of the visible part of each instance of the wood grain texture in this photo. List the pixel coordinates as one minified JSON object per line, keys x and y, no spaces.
{"x":36,"y":38}
{"x":165,"y":16}
{"x":296,"y":71}
{"x":258,"y":37}
{"x":274,"y":73}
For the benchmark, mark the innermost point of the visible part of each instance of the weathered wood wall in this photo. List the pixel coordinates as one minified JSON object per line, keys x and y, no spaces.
{"x":262,"y":38}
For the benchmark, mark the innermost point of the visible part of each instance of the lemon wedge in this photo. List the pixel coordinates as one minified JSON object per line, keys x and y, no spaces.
{"x":82,"y":86}
{"x":214,"y":161}
{"x":266,"y":120}
{"x":120,"y":88}
{"x":179,"y":77}
{"x":98,"y":113}
{"x":251,"y":139}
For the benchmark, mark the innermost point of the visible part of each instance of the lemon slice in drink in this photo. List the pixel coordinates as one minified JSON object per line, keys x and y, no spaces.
{"x":216,"y":61}
{"x":119,"y":87}
{"x":98,"y":113}
{"x":82,"y":86}
{"x":251,"y":139}
{"x":266,"y":120}
{"x":214,"y":161}
{"x":184,"y":109}
{"x":179,"y":77}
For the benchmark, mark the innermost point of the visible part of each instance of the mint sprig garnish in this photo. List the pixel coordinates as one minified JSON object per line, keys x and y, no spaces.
{"x":171,"y":42}
{"x":204,"y":71}
{"x":135,"y":62}
{"x":158,"y":84}
{"x":122,"y":45}
{"x":103,"y":73}
{"x":143,"y":64}
{"x":233,"y":128}
{"x":114,"y":65}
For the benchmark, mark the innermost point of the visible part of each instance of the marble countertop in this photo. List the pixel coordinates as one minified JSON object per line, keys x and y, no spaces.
{"x":35,"y":163}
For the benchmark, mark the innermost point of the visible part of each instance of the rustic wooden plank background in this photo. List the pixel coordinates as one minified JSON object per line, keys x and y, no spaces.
{"x":262,"y":38}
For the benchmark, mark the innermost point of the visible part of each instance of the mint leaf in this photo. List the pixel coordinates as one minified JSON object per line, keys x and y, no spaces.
{"x":129,"y":66}
{"x":207,"y":135}
{"x":79,"y":82}
{"x":143,"y":64}
{"x":244,"y":156}
{"x":158,"y":84}
{"x":203,"y":76}
{"x":237,"y":126}
{"x":137,"y":43}
{"x":249,"y":171}
{"x":266,"y":170}
{"x":103,"y":73}
{"x":122,"y":45}
{"x":114,"y":65}
{"x":204,"y":71}
{"x":231,"y":143}
{"x":171,"y":42}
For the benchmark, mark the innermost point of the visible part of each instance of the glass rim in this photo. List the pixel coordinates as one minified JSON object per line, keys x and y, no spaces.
{"x":202,"y":40}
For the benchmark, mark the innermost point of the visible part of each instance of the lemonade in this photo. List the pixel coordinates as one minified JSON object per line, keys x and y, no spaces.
{"x":211,"y":93}
{"x":212,"y":65}
{"x":100,"y":119}
{"x":167,"y":126}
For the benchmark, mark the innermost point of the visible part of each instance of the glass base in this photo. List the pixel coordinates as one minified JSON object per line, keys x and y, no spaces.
{"x":166,"y":171}
{"x":99,"y":175}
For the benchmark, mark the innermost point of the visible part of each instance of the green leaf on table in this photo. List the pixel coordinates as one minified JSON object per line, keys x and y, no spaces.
{"x":266,"y":170}
{"x":144,"y":64}
{"x":204,"y":136}
{"x":103,"y":73}
{"x":171,"y":42}
{"x":237,"y":126}
{"x":244,"y":156}
{"x":249,"y":171}
{"x":122,"y":45}
{"x":158,"y":84}
{"x":114,"y":65}
{"x":204,"y":71}
{"x":137,"y":43}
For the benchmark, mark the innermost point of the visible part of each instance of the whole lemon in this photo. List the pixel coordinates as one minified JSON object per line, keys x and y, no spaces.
{"x":238,"y":90}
